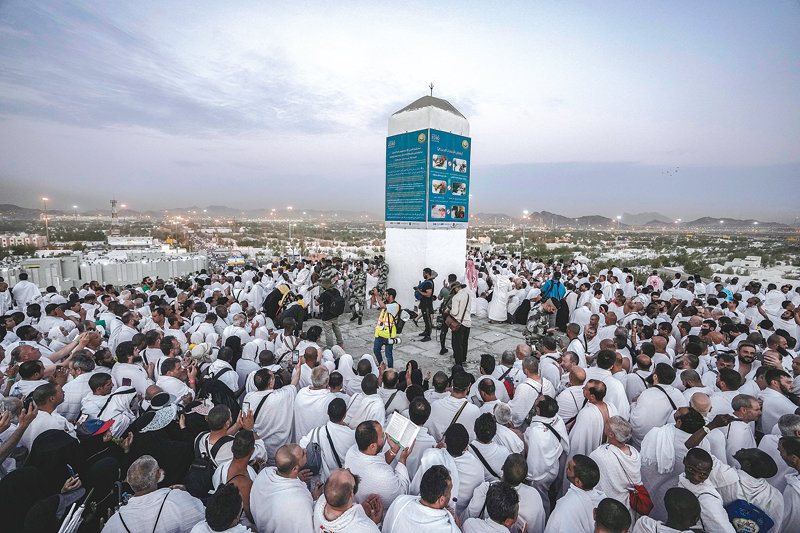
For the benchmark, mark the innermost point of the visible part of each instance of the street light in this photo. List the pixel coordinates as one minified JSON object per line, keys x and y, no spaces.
{"x":522,"y":248}
{"x":75,"y":207}
{"x":46,"y":222}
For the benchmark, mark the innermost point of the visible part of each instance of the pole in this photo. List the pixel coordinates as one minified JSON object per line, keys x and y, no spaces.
{"x":46,"y":223}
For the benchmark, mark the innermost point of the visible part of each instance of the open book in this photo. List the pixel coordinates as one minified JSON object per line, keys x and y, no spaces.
{"x":401,"y":430}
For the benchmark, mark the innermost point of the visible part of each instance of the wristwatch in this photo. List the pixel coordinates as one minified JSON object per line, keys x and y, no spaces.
{"x":706,"y":429}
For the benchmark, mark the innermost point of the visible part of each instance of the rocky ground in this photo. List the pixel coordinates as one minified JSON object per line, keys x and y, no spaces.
{"x":483,"y":338}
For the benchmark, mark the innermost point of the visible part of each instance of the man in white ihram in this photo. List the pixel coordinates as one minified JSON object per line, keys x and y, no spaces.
{"x":311,"y":403}
{"x":279,"y":499}
{"x":427,"y":512}
{"x":375,"y":468}
{"x":574,"y":511}
{"x":154,"y":509}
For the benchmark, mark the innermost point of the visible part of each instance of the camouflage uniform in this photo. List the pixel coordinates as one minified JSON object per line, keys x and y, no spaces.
{"x":383,"y":277}
{"x":536,"y":328}
{"x":326,"y":277}
{"x":358,"y":297}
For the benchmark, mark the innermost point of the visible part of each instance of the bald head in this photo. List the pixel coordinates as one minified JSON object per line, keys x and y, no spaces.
{"x":522,"y":351}
{"x":659,"y":343}
{"x":701,"y":402}
{"x":151,"y":391}
{"x":643,"y":361}
{"x":608,"y":344}
{"x":577,"y":375}
{"x":339,"y":488}
{"x":288,"y":460}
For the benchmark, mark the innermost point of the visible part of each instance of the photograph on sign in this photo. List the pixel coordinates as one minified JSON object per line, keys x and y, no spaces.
{"x":460,"y":165}
{"x":459,"y":188}
{"x":440,"y":162}
{"x":438,"y":186}
{"x":438,"y":211}
{"x":458,"y":212}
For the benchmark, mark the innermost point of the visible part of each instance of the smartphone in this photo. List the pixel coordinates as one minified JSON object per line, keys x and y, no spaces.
{"x":126,"y":382}
{"x":245,"y":407}
{"x":295,"y":356}
{"x":71,"y":471}
{"x":58,"y":368}
{"x":83,"y":418}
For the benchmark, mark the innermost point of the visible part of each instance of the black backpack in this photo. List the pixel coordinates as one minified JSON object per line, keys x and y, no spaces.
{"x":198,"y":480}
{"x":219,"y":393}
{"x":337,"y":303}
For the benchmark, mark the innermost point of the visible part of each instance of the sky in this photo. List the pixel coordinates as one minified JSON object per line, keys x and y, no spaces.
{"x":685,"y":108}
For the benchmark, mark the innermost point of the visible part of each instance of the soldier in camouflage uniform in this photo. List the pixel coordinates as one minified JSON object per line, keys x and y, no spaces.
{"x":328,"y":275}
{"x":383,"y":275}
{"x":538,"y":323}
{"x":359,"y":296}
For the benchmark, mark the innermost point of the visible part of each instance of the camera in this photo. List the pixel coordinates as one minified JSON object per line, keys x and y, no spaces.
{"x":395,"y":340}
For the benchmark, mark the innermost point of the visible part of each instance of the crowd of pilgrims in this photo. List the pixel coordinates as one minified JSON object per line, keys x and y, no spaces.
{"x":202,"y":403}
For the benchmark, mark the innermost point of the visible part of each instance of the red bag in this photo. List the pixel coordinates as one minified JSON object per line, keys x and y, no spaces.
{"x":640,"y":500}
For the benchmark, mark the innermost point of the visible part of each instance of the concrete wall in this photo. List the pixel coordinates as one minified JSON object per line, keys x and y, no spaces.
{"x":409,"y":250}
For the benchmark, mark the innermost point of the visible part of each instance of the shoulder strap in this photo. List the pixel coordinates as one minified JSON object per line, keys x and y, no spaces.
{"x":218,"y":374}
{"x":125,"y":391}
{"x":158,"y":516}
{"x":389,"y":401}
{"x":504,"y":374}
{"x":260,"y":404}
{"x":646,"y":386}
{"x":333,"y":448}
{"x":483,"y":460}
{"x":674,"y":407}
{"x":551,"y":428}
{"x":219,"y":444}
{"x":458,"y":413}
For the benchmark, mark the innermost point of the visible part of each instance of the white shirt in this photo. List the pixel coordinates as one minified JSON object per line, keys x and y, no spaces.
{"x":275,"y":421}
{"x":408,"y":515}
{"x":653,"y":409}
{"x":279,"y":504}
{"x":494,"y":455}
{"x":135,"y":373}
{"x":175,"y":387}
{"x":531,"y":510}
{"x":775,"y":406}
{"x":365,"y":407}
{"x":310,"y":409}
{"x":377,"y":477}
{"x":181,"y":512}
{"x":45,"y":421}
{"x":230,"y":378}
{"x":443,"y":412}
{"x":525,"y":395}
{"x":354,"y":520}
{"x":343,"y":439}
{"x":74,"y":393}
{"x":574,"y":511}
{"x":499,"y":388}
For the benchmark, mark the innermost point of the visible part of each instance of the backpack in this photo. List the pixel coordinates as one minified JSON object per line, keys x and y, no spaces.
{"x":219,"y":393}
{"x":399,"y":323}
{"x":337,"y":303}
{"x":314,"y":455}
{"x":198,"y":480}
{"x":522,"y":312}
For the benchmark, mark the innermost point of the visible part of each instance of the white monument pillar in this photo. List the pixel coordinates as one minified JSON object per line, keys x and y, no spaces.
{"x":427,"y":194}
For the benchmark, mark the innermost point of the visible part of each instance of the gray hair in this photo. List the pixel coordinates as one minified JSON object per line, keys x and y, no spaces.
{"x":82,"y":361}
{"x":143,"y":473}
{"x":573,"y":357}
{"x":531,"y":364}
{"x":508,"y":357}
{"x":502,"y":414}
{"x":13,"y":405}
{"x":742,"y":401}
{"x":319,"y":377}
{"x":621,"y":429}
{"x":789,"y":424}
{"x":239,"y":320}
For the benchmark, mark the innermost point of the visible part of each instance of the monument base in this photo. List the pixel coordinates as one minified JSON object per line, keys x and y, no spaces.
{"x":408,"y":251}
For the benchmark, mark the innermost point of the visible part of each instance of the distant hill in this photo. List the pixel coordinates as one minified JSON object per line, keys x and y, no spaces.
{"x":705,"y":222}
{"x":643,"y":219}
{"x":23,"y":213}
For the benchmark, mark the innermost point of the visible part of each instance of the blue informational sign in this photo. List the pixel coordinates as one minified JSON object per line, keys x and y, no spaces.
{"x":448,"y":189}
{"x":427,"y":180}
{"x":406,"y":179}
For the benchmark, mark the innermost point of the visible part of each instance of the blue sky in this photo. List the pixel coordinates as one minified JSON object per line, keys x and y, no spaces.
{"x":574,"y":107}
